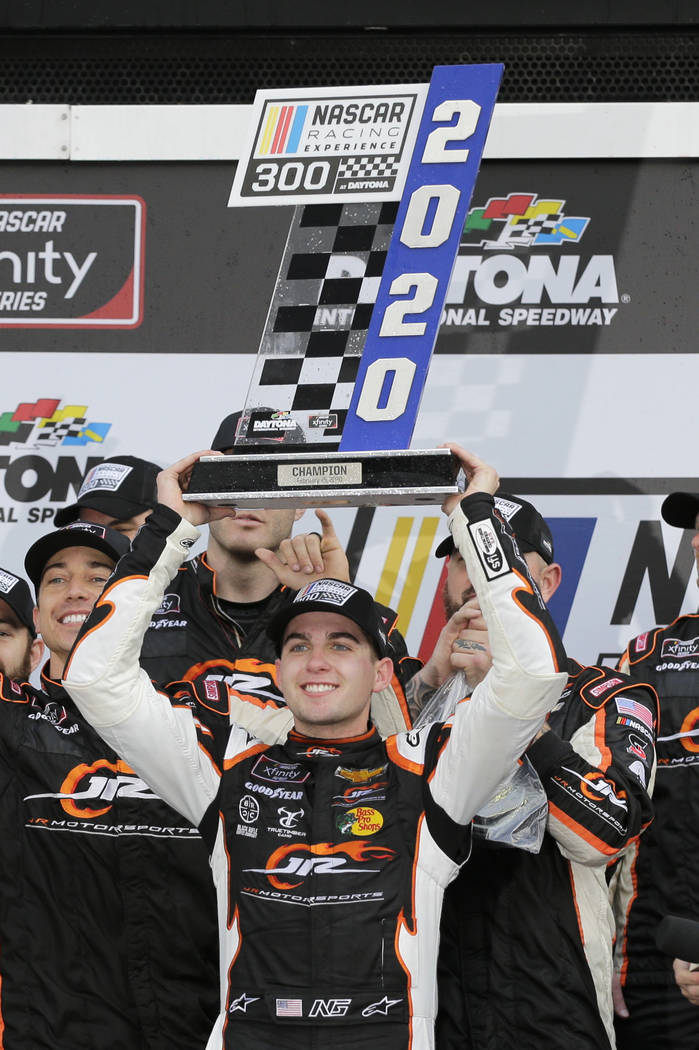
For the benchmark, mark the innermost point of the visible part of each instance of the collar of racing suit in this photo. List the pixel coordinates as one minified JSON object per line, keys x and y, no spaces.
{"x":306,"y":747}
{"x":53,"y":688}
{"x":56,"y":691}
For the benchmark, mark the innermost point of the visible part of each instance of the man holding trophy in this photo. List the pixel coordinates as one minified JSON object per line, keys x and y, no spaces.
{"x":331,"y":850}
{"x":328,"y":910}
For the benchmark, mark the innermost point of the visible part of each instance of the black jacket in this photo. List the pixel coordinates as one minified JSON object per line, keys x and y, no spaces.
{"x":328,"y":898}
{"x":93,"y":870}
{"x":526,"y":950}
{"x":660,"y":876}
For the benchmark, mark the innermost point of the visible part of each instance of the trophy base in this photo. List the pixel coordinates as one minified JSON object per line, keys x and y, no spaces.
{"x":325,"y":479}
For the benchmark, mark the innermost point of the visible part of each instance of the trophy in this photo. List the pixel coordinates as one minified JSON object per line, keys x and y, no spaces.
{"x":381,"y":180}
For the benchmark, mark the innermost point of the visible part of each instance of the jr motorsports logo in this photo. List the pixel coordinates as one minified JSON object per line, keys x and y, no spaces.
{"x":289,"y":866}
{"x":71,"y":262}
{"x":323,"y":145}
{"x":47,"y":423}
{"x":519,"y":264}
{"x":90,"y":791}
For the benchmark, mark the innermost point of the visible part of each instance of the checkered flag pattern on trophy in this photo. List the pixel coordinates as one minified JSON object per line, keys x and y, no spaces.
{"x":317,"y":323}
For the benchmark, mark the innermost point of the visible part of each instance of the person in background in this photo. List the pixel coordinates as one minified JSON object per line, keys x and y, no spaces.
{"x":659,"y":876}
{"x":526,"y":939}
{"x":119,"y":493}
{"x":20,"y":649}
{"x":107,"y":915}
{"x":687,"y":980}
{"x":212,"y":622}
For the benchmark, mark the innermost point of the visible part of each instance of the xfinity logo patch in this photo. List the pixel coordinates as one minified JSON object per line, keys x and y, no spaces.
{"x":169,"y":605}
{"x":279,"y":772}
{"x":679,"y":649}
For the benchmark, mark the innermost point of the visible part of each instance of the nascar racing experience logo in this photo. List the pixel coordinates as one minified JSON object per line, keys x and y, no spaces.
{"x":315,"y":144}
{"x":518,"y":264}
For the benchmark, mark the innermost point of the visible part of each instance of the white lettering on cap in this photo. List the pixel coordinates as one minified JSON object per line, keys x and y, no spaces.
{"x":335,"y":592}
{"x":7,"y":581}
{"x":105,"y":477}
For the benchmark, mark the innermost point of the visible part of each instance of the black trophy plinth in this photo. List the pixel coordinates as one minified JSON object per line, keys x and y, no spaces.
{"x":324,"y":479}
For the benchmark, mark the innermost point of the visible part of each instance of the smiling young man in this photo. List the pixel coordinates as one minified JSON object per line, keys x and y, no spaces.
{"x":331,"y":851}
{"x":94,"y":866}
{"x":330,"y":665}
{"x":69,"y":580}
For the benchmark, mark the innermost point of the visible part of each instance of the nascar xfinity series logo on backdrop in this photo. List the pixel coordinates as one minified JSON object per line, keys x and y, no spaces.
{"x":515,"y":268}
{"x":71,"y":262}
{"x":322,"y":145}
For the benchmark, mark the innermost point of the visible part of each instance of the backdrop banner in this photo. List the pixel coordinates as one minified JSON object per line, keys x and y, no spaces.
{"x":566,"y":355}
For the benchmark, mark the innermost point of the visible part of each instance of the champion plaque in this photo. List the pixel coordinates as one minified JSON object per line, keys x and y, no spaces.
{"x":325,"y":479}
{"x":381,"y":179}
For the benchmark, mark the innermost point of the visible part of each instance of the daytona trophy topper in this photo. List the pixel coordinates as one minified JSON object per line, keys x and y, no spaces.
{"x":381,"y":179}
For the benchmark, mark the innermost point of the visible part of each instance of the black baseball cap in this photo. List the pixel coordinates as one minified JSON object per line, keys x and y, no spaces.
{"x":77,"y":534}
{"x":335,"y":596}
{"x":266,"y":426}
{"x":530,"y":529}
{"x":15,"y":592}
{"x":121,"y":486}
{"x":681,"y":509}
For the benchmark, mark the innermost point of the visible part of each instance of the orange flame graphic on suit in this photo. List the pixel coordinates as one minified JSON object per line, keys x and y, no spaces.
{"x":357,"y":851}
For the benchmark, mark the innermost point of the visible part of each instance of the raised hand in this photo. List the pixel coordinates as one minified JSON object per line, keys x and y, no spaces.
{"x":308,"y":556}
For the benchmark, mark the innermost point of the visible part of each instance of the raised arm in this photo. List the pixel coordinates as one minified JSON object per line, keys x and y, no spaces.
{"x":492,"y":729}
{"x":163,"y":741}
{"x":597,"y":765}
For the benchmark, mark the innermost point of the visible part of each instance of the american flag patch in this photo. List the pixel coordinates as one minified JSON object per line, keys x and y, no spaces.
{"x":289,"y":1007}
{"x":632,"y":707}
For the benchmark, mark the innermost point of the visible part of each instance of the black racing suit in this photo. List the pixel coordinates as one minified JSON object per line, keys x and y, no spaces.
{"x":107,"y":917}
{"x":526,"y":942}
{"x":192,"y":634}
{"x":330,"y":856}
{"x":661,"y":876}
